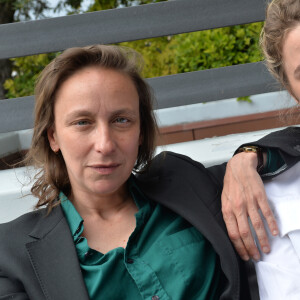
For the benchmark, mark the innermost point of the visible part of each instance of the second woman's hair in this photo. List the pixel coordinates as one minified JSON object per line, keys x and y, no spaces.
{"x":281,"y":17}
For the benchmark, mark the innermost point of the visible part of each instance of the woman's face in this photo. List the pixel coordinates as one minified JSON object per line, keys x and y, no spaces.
{"x":97,"y":130}
{"x":291,"y":60}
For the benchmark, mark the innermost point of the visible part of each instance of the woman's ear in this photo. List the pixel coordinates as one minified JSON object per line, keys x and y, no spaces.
{"x":52,"y":138}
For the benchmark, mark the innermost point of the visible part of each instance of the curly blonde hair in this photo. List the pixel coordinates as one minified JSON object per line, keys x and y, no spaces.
{"x":281,"y":17}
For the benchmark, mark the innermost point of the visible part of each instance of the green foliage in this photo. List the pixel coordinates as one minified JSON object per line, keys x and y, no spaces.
{"x":109,"y":4}
{"x":200,"y":50}
{"x":244,"y":99}
{"x":103,"y":4}
{"x":36,"y":9}
{"x":27,"y":69}
{"x":163,"y":56}
{"x":217,"y":48}
{"x":24,"y":9}
{"x":158,"y":56}
{"x":25,"y":73}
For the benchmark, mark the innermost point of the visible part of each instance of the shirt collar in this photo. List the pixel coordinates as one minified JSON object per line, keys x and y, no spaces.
{"x":75,"y":221}
{"x":137,"y":195}
{"x":73,"y":217}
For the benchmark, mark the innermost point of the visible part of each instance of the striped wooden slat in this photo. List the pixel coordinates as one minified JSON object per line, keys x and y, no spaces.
{"x":125,"y":24}
{"x":170,"y":91}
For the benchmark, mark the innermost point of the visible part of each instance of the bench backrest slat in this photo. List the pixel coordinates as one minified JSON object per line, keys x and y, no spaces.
{"x":140,"y":22}
{"x":170,"y":91}
{"x":125,"y":24}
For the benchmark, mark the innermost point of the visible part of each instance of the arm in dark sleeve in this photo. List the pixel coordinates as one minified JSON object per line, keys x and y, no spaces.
{"x":283,"y":148}
{"x":218,"y":172}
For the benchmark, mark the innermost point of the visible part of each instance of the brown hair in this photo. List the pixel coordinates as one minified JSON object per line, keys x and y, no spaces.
{"x":281,"y":17}
{"x":52,"y":176}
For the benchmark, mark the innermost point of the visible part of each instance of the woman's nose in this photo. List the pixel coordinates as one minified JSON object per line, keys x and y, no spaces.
{"x":104,"y":140}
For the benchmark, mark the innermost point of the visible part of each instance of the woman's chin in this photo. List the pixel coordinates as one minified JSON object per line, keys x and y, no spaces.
{"x":107,"y":188}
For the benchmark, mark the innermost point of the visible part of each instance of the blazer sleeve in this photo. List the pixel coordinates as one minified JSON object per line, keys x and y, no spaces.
{"x":286,"y":141}
{"x":218,"y":173}
{"x":10,"y":289}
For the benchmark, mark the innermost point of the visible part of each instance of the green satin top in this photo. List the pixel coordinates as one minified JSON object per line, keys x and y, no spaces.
{"x":165,"y":257}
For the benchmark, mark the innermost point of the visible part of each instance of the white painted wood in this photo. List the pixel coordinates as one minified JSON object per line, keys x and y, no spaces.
{"x":224,"y":109}
{"x":209,"y":151}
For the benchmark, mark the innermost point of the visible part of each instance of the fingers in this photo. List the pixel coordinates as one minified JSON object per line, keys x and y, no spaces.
{"x":231,"y":209}
{"x":268,"y":215}
{"x":244,"y":196}
{"x":251,"y":210}
{"x":236,"y":220}
{"x":260,"y":232}
{"x":258,"y":224}
{"x":247,"y":237}
{"x":235,"y":236}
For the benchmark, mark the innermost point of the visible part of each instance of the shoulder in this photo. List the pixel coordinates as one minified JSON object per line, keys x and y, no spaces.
{"x":167,"y":161}
{"x":180,"y":168}
{"x":28,"y":218}
{"x":17,"y":230}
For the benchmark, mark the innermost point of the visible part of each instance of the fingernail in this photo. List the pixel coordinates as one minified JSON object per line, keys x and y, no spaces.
{"x":245,"y":257}
{"x":256,"y":257}
{"x":266,"y":249}
{"x":275,"y":232}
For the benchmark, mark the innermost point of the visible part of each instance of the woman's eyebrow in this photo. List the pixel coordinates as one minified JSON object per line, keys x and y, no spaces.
{"x":125,"y":111}
{"x":78,"y":113}
{"x":87,"y":113}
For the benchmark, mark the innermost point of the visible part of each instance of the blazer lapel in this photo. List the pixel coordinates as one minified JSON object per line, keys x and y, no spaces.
{"x":54,"y":259}
{"x":175,"y":193}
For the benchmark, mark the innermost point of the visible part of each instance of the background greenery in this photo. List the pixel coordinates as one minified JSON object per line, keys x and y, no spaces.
{"x":163,"y":56}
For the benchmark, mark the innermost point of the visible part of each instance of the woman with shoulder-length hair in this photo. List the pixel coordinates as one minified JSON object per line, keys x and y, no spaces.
{"x":118,"y":224}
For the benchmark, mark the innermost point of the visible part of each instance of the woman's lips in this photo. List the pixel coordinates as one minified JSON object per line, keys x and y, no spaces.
{"x":105,"y":169}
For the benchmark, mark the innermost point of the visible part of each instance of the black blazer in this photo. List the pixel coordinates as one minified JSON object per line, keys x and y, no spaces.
{"x":38,"y":259}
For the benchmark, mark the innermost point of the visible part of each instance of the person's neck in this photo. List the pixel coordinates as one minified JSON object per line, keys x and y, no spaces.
{"x":105,"y":207}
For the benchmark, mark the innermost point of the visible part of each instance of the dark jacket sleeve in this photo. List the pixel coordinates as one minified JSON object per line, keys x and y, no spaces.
{"x":218,"y":172}
{"x":286,"y":141}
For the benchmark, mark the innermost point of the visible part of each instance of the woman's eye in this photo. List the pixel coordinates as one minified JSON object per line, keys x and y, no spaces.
{"x":81,"y":122}
{"x":121,"y":120}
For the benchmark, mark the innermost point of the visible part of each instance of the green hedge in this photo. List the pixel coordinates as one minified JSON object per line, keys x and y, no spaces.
{"x":164,"y":56}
